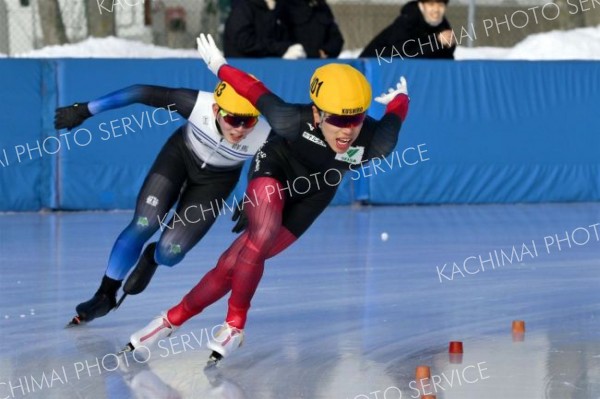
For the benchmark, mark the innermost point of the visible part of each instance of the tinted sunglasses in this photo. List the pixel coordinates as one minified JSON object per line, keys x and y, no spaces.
{"x":237,"y":121}
{"x":344,"y":121}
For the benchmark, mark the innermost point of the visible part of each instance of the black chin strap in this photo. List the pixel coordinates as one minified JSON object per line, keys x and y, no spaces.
{"x":218,"y":126}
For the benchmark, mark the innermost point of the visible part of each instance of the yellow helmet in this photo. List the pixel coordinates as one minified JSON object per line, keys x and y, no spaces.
{"x":231,"y":102}
{"x":340,"y":89}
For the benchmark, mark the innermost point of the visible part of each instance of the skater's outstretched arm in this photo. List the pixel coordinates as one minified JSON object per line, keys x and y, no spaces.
{"x":285,"y":119}
{"x":387,"y":128}
{"x":180,"y":100}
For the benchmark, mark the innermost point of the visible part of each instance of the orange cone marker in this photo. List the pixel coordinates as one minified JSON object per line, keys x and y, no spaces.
{"x":518,"y":326}
{"x":455,"y":347}
{"x":422,"y":372}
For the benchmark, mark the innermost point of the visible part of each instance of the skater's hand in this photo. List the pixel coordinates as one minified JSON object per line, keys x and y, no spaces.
{"x":210,"y":53}
{"x":401,"y":89}
{"x":396,"y":100}
{"x":242,"y":220}
{"x":71,"y":116}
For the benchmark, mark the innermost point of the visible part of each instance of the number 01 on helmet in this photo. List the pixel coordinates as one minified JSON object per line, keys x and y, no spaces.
{"x":340,"y":89}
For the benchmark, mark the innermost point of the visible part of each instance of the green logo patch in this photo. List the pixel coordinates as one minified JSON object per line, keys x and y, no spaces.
{"x":353,"y":155}
{"x":142,"y":221}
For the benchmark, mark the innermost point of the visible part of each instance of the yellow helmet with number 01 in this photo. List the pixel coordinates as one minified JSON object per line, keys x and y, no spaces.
{"x":340,"y":89}
{"x":231,"y":102}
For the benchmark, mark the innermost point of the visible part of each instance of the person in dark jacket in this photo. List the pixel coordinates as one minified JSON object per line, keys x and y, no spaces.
{"x":312,"y":24}
{"x":421,"y":31}
{"x":254,"y":30}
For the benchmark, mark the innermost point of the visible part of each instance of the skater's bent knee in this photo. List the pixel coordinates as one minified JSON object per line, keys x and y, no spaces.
{"x":169,"y":254}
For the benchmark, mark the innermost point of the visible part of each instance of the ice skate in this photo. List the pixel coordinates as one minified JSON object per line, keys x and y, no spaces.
{"x":224,"y":342}
{"x":141,"y":275}
{"x":98,"y":306}
{"x":103,"y":301}
{"x":159,"y":328}
{"x":75,"y":321}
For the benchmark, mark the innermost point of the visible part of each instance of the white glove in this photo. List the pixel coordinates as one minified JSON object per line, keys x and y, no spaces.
{"x":401,"y":88}
{"x":294,"y":52}
{"x":210,"y":53}
{"x":270,"y":4}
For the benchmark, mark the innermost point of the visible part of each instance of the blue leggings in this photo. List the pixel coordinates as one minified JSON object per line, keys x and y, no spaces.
{"x":174,"y":175}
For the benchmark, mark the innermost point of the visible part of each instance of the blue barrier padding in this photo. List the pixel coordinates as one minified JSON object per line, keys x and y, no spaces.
{"x":477,"y":131}
{"x":51,"y":141}
{"x":108,"y":172}
{"x":494,"y":132}
{"x":22,"y":180}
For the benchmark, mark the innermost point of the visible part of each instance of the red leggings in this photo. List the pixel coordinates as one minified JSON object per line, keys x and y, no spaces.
{"x":241,"y":266}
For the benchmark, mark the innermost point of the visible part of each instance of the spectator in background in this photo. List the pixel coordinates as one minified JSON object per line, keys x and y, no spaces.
{"x":421,"y":31}
{"x":311,"y":23}
{"x":253,"y":30}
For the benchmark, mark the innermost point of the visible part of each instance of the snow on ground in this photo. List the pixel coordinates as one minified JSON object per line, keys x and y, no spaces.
{"x":576,"y":44}
{"x":580,"y":44}
{"x":109,"y":47}
{"x":481,"y":53}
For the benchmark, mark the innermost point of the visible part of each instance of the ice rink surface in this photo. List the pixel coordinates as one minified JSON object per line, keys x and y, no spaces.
{"x":341,"y":314}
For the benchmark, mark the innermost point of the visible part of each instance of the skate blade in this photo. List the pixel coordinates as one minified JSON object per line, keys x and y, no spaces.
{"x":127,"y":348}
{"x":213,"y":360}
{"x":120,"y":301}
{"x":76,"y":321}
{"x":211,"y":364}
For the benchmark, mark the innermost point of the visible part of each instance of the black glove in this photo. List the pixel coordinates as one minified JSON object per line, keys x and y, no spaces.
{"x":242,"y":220}
{"x":71,"y":116}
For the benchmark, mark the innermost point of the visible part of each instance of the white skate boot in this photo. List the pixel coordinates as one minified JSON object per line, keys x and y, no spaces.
{"x":225,"y":341}
{"x":159,"y":328}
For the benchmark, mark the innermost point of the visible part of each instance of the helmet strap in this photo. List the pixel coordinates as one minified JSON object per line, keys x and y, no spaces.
{"x":217,"y":122}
